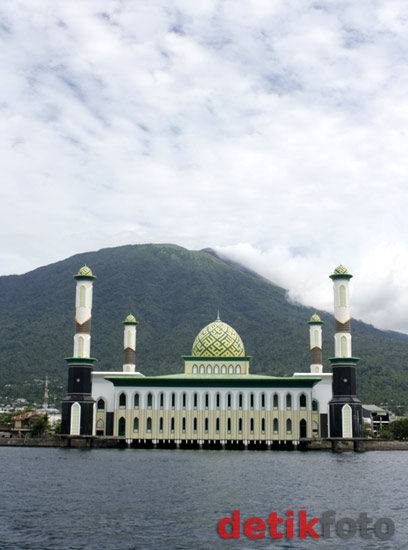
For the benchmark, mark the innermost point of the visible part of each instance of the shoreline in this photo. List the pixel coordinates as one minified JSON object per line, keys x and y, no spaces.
{"x":99,"y":442}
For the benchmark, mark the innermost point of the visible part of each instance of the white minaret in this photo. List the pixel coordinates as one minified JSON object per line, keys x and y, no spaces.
{"x":83,"y":313}
{"x":129,"y":344}
{"x":342,"y":338}
{"x":316,"y":356}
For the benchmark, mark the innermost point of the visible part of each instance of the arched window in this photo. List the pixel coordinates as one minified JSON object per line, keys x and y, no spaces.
{"x":206,"y":400}
{"x":288,"y":401}
{"x":289,"y":426}
{"x":302,"y":401}
{"x":172,"y":425}
{"x":100,"y":424}
{"x":252,"y":425}
{"x":122,"y":400}
{"x":315,"y":406}
{"x":161,"y":424}
{"x":230,"y":369}
{"x":202,"y":369}
{"x":82,"y":296}
{"x":275,"y":426}
{"x":206,"y":425}
{"x":223,"y":369}
{"x":75,"y":428}
{"x":342,"y":290}
{"x":347,"y":421}
{"x":217,"y":425}
{"x":161,"y":400}
{"x":195,"y":424}
{"x":195,"y":369}
{"x":100,"y":405}
{"x":228,"y":425}
{"x":183,"y":425}
{"x":263,"y":400}
{"x":148,"y":424}
{"x":240,"y":425}
{"x":238,"y":369}
{"x":216,"y":369}
{"x":195,"y":400}
{"x":229,"y":401}
{"x":240,"y":401}
{"x":184,"y":400}
{"x":149,"y":400}
{"x":80,"y":346}
{"x":136,"y":425}
{"x":263,"y":425}
{"x":303,"y":428}
{"x":209,"y":369}
{"x":121,"y":427}
{"x":173,"y":400}
{"x":251,"y":400}
{"x":275,"y":401}
{"x":217,"y":400}
{"x":343,"y":343}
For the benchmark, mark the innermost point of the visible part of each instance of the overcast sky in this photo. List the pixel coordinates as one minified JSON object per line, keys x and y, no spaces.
{"x":273,"y":131}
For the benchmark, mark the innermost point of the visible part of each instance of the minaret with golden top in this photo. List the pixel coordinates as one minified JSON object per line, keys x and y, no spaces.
{"x":129,"y":344}
{"x":316,"y":356}
{"x":78,"y":405}
{"x":344,"y":407}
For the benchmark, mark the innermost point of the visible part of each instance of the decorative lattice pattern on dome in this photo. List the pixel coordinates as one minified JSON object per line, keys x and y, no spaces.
{"x":218,"y":340}
{"x":340,"y":270}
{"x":85,"y":271}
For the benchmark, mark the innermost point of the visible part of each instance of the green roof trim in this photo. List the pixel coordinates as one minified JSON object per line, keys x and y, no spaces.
{"x":231,"y":381}
{"x":344,"y":360}
{"x":81,"y":360}
{"x":344,"y":276}
{"x":205,"y":358}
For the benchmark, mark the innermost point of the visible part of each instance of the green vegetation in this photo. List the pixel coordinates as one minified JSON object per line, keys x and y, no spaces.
{"x":41,"y":426}
{"x":399,"y":429}
{"x":174,"y":293}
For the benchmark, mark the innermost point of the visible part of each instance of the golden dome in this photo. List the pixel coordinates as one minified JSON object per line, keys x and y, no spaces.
{"x":340,"y":270}
{"x":315,"y":318}
{"x":130,"y":320}
{"x":218,"y":340}
{"x":84,"y":273}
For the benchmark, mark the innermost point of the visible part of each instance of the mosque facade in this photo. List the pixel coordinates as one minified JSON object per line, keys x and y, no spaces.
{"x":216,"y":400}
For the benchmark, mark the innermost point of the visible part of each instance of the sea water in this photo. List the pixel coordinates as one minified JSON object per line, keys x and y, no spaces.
{"x":60,"y":499}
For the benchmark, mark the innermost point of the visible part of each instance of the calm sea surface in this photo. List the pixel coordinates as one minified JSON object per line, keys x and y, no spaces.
{"x":136,"y":499}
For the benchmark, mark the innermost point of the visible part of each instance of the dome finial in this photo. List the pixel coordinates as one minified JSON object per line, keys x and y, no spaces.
{"x":218,"y":315}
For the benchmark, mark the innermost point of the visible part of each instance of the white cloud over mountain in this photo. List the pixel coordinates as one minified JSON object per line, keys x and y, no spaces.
{"x":275,"y":132}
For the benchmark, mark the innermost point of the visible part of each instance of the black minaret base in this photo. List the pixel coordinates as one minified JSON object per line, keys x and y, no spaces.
{"x":79,"y":391}
{"x":344,"y":393}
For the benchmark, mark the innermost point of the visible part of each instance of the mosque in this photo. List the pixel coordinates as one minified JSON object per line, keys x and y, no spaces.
{"x":216,"y":401}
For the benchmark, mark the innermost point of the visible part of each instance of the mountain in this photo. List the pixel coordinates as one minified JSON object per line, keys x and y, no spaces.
{"x":174,"y":293}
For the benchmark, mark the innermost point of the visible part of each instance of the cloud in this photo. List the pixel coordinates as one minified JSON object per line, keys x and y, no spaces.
{"x":281,"y":125}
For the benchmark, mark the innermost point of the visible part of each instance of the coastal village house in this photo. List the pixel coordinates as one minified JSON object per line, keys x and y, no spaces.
{"x":216,"y":401}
